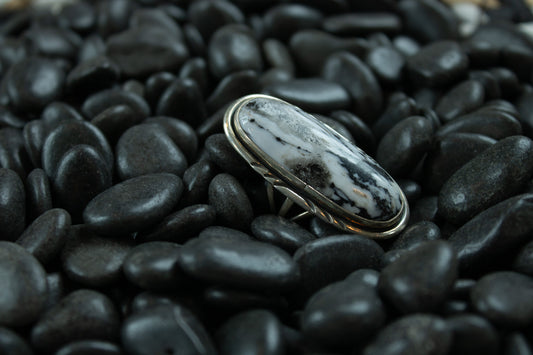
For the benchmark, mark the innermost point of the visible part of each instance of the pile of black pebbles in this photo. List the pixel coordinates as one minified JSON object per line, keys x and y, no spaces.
{"x":129,"y":225}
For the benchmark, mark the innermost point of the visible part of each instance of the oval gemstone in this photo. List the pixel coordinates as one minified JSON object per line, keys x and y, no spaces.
{"x":319,"y":157}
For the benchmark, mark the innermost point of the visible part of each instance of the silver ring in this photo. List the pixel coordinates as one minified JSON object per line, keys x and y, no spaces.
{"x":315,"y":167}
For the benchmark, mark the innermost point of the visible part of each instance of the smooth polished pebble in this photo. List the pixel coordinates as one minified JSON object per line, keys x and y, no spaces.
{"x":115,"y":120}
{"x":429,"y":20}
{"x":516,"y":343}
{"x":155,"y":17}
{"x":411,"y":189}
{"x":69,"y":134}
{"x":330,"y":259}
{"x":283,"y":20}
{"x":90,"y":347}
{"x":345,"y":313}
{"x":183,"y":99}
{"x":79,"y":17}
{"x":24,"y":297}
{"x":461,"y":99}
{"x":147,"y":149}
{"x":251,"y":332}
{"x":472,"y":188}
{"x":196,"y":180}
{"x":415,"y":234}
{"x":207,"y":16}
{"x":421,"y":279}
{"x":491,"y":123}
{"x":92,"y":75}
{"x":220,"y":232}
{"x":387,"y":63}
{"x":312,"y":95}
{"x":33,"y":83}
{"x":140,"y":51}
{"x":13,"y":154}
{"x":356,"y":77}
{"x":104,"y":99}
{"x":259,"y":265}
{"x":359,"y":130}
{"x":12,"y":205}
{"x":154,"y":266}
{"x":232,"y":87}
{"x":523,"y":261}
{"x":361,"y":24}
{"x":525,"y":107}
{"x":281,"y":232}
{"x":277,"y":55}
{"x":53,"y":42}
{"x":399,"y":107}
{"x":450,"y":153}
{"x":181,"y":133}
{"x":91,"y":260}
{"x":134,"y":204}
{"x":504,"y":298}
{"x":404,"y":145}
{"x":437,"y":64}
{"x":81,"y":315}
{"x":196,"y":69}
{"x":472,"y":334}
{"x":45,"y":237}
{"x":38,"y":194}
{"x":311,"y":48}
{"x":182,"y":225}
{"x":233,"y":48}
{"x":81,"y":174}
{"x":232,"y":205}
{"x":12,"y":344}
{"x":417,"y":334}
{"x":493,"y":233}
{"x":163,"y":330}
{"x":221,"y":153}
{"x":156,"y":84}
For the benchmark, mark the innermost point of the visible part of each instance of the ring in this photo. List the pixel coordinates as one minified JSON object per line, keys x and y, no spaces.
{"x":315,"y":167}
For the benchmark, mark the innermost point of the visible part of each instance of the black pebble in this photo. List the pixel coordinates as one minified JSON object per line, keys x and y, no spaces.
{"x":259,"y":266}
{"x":523,"y":261}
{"x":154,"y":266}
{"x":81,"y":315}
{"x":429,"y":20}
{"x":493,"y":233}
{"x":221,"y":153}
{"x":45,"y":237}
{"x":147,"y":149}
{"x":280,"y":232}
{"x":345,"y":313}
{"x":90,"y":347}
{"x":404,"y":145}
{"x":232,"y":205}
{"x":12,"y":344}
{"x":196,"y":180}
{"x":33,"y":83}
{"x":329,"y":259}
{"x":91,"y":260}
{"x":472,"y":334}
{"x":133,"y":204}
{"x":421,"y":279}
{"x":437,"y":64}
{"x":504,"y":298}
{"x":416,"y":234}
{"x":252,"y":332}
{"x":163,"y":330}
{"x":233,"y":48}
{"x":115,"y":120}
{"x":24,"y":297}
{"x":461,"y":99}
{"x":207,"y":16}
{"x":12,"y":205}
{"x":102,"y":100}
{"x":283,"y":20}
{"x":183,"y":99}
{"x":38,"y":193}
{"x":92,"y":75}
{"x":472,"y":188}
{"x":417,"y":334}
{"x":357,"y":78}
{"x":182,"y":225}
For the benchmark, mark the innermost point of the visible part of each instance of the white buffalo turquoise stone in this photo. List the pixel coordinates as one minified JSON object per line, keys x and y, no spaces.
{"x":320,"y":157}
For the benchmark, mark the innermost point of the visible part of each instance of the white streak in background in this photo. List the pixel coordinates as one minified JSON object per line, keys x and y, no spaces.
{"x":289,"y":135}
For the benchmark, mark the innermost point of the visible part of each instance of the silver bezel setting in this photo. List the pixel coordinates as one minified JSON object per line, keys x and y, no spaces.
{"x":300,"y":192}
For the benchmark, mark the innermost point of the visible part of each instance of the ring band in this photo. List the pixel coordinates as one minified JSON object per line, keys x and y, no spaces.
{"x":315,"y":167}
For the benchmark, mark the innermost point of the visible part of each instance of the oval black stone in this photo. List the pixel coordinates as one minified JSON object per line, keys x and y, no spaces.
{"x":24,"y":278}
{"x":45,"y":237}
{"x":492,"y":298}
{"x":12,"y":205}
{"x":421,"y":279}
{"x":259,"y":266}
{"x":232,"y":205}
{"x":147,"y":149}
{"x":133,"y":204}
{"x":281,"y":232}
